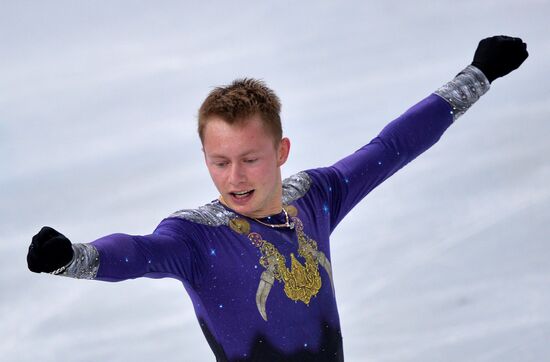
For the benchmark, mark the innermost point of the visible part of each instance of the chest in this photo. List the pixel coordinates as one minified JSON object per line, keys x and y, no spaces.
{"x":252,"y":266}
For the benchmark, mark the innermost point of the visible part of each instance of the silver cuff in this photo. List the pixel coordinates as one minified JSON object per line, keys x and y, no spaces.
{"x":84,"y":265}
{"x":464,"y":90}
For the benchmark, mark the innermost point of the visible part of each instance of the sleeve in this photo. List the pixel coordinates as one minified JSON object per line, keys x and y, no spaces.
{"x":349,"y":180}
{"x":167,"y":252}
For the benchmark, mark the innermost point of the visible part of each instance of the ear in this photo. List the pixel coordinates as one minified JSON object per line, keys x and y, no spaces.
{"x":283,"y":151}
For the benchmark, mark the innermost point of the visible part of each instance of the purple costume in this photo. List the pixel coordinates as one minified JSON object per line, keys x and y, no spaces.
{"x":263,"y":294}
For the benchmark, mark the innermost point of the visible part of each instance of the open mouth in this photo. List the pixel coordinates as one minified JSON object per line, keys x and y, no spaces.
{"x":241,"y":196}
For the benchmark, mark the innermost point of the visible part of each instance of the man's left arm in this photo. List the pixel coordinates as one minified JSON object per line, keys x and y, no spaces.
{"x":403,"y":139}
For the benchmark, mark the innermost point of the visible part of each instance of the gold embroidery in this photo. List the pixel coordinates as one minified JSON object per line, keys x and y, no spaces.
{"x":301,"y":282}
{"x":239,"y":225}
{"x":292,"y":211}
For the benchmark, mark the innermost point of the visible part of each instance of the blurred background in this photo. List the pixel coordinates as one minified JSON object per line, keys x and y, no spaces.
{"x":445,"y":261}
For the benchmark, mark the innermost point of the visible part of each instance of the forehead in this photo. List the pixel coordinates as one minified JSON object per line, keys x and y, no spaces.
{"x":247,"y":136}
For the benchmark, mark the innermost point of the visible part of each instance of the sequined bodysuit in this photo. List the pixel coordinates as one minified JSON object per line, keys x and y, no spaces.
{"x":263,"y":294}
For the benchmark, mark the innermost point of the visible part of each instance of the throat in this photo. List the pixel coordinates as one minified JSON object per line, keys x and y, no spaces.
{"x":242,"y":203}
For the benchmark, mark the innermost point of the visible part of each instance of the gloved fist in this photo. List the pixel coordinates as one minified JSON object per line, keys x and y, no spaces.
{"x":49,"y":251}
{"x":499,"y":55}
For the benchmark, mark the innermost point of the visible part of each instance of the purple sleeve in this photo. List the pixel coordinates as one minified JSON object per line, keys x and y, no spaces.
{"x":167,"y":252}
{"x":402,"y":140}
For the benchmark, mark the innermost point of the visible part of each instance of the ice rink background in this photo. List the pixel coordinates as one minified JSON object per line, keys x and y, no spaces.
{"x":446,"y":261}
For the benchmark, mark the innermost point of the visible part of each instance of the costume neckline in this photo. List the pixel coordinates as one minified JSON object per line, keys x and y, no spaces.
{"x":273,"y":218}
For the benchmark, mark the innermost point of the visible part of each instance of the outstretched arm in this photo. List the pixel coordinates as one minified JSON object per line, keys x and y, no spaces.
{"x":412,"y":133}
{"x":115,"y":257}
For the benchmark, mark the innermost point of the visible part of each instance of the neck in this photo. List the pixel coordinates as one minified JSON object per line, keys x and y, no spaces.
{"x":277,"y":209}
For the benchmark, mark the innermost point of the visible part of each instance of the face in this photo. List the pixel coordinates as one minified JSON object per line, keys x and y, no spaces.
{"x":244,"y":163}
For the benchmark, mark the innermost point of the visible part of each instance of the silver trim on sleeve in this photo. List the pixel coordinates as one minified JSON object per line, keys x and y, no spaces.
{"x":295,"y":187}
{"x":464,"y":90}
{"x":85,"y":263}
{"x":212,"y":214}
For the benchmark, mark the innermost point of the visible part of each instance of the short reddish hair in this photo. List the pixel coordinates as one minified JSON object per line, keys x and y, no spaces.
{"x":240,"y":100}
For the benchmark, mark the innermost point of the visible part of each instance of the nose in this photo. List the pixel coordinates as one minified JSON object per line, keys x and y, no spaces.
{"x":236,"y":174}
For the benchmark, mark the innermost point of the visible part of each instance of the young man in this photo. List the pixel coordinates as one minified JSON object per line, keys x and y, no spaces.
{"x":256,"y":262}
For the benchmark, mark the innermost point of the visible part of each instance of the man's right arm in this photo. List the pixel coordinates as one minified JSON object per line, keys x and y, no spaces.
{"x":115,"y":257}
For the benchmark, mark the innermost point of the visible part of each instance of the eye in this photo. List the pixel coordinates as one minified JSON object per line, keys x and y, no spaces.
{"x":251,"y":160}
{"x":220,"y":164}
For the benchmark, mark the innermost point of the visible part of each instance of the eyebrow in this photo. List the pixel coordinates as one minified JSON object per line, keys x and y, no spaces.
{"x":247,"y":153}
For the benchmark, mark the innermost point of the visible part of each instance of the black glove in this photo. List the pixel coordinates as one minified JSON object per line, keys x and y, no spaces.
{"x":49,"y":251}
{"x":499,"y":55}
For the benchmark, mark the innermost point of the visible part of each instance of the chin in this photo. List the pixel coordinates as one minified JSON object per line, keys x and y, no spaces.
{"x":241,"y":209}
{"x":245,"y":210}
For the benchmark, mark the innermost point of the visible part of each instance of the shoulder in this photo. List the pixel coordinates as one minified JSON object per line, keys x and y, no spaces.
{"x":296,"y":186}
{"x":211,"y":214}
